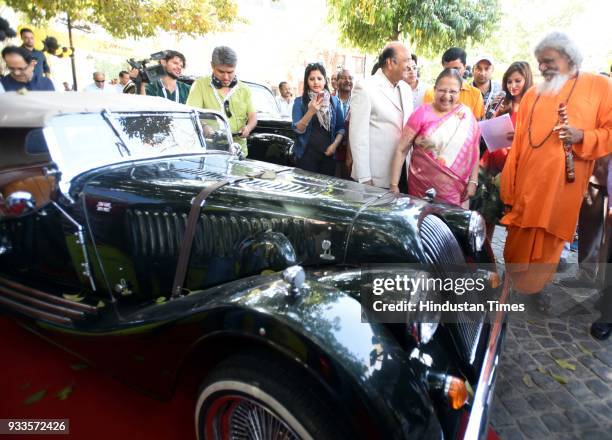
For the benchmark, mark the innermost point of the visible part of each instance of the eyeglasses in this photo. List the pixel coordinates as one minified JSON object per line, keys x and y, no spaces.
{"x":412,"y":69}
{"x":99,"y":80}
{"x":226,"y":107}
{"x":444,"y":92}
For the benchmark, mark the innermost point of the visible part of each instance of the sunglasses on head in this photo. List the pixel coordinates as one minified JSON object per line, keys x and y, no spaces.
{"x":317,"y":64}
{"x":226,"y":107}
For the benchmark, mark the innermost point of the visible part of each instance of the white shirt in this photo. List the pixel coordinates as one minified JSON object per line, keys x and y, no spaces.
{"x":286,"y":108}
{"x":93,"y":88}
{"x":418,"y":93}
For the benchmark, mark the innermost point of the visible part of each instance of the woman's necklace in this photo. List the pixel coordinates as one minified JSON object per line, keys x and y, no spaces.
{"x":552,"y":129}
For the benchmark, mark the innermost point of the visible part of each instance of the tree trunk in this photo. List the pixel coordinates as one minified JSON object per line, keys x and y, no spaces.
{"x":72,"y":62}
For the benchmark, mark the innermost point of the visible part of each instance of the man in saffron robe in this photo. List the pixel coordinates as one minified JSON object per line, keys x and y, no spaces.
{"x":542,"y":206}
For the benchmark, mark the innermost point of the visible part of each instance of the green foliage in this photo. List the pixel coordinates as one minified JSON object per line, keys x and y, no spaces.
{"x":431,"y":25}
{"x":137,"y":18}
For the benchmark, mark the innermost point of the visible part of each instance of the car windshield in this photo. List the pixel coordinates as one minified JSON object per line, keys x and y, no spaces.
{"x":264,"y":101}
{"x":80,"y":142}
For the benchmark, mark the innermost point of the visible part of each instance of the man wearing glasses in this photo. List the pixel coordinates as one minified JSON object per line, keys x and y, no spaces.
{"x":20,"y":64}
{"x":417,"y":86}
{"x":99,"y":85}
{"x":223,"y":92}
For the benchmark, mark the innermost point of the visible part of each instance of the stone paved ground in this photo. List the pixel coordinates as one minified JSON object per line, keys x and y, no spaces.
{"x":529,"y":402}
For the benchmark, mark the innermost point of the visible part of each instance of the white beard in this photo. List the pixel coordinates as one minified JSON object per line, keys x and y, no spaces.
{"x":553,"y":85}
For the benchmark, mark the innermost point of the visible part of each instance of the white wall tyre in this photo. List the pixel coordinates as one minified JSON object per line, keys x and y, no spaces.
{"x":257,"y":397}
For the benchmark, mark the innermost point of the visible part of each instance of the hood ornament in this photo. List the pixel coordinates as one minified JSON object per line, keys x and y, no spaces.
{"x":326,"y":255}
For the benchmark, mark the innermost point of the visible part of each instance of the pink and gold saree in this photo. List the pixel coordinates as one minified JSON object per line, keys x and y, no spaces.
{"x":445,"y":152}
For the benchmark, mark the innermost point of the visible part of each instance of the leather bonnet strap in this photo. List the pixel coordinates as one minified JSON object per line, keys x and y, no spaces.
{"x":192,"y":221}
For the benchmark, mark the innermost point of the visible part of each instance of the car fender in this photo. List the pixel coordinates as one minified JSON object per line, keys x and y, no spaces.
{"x":319,"y":328}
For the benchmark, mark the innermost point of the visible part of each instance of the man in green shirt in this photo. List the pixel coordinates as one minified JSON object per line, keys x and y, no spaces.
{"x":167,"y":86}
{"x":223,"y":92}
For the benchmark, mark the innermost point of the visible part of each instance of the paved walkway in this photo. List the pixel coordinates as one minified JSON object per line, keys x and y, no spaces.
{"x":555,"y":380}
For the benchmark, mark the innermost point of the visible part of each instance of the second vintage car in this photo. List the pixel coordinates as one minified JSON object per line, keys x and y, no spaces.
{"x":132,"y":235}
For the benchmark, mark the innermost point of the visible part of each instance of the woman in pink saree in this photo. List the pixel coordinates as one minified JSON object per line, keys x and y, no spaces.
{"x":446,"y":137}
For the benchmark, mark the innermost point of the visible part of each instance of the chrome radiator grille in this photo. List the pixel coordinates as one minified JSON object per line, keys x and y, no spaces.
{"x":159,"y":234}
{"x":444,"y":253}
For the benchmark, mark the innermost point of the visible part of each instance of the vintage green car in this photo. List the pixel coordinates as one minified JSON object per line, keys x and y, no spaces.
{"x":128,"y":225}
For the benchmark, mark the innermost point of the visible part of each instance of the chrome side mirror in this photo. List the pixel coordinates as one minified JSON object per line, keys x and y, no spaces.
{"x":430,"y":195}
{"x":19,"y":203}
{"x":236,"y":150}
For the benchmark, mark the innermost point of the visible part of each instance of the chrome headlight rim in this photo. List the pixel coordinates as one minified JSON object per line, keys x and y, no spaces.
{"x":477,"y":231}
{"x":427,"y":330}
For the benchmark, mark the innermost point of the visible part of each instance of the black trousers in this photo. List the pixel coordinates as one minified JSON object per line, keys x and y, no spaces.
{"x":317,"y":162}
{"x":592,"y":237}
{"x":604,"y":304}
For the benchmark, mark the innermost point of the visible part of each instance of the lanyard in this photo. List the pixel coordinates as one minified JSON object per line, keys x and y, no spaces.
{"x":218,"y":98}
{"x":176,"y":91}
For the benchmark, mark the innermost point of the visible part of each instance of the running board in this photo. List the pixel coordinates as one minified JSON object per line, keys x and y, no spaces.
{"x":42,"y":305}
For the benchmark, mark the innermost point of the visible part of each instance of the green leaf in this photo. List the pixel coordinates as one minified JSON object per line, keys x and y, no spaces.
{"x":584,"y":350}
{"x":75,"y":298}
{"x":161,"y":300}
{"x":561,"y":379}
{"x":528,"y":381}
{"x":565,"y":364}
{"x":100,"y":304}
{"x":188,"y":17}
{"x":80,"y":366}
{"x":432,"y":27}
{"x":35,"y":397}
{"x":64,"y":393}
{"x":542,"y":370}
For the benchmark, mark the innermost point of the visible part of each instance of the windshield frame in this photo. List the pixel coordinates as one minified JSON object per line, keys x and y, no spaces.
{"x":57,"y":153}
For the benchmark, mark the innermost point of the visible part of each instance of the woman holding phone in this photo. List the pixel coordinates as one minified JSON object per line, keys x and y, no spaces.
{"x":319,"y":122}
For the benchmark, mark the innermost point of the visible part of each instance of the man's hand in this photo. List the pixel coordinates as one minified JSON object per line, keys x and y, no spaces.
{"x":394,"y":188}
{"x":569,"y":134}
{"x":244,"y":132}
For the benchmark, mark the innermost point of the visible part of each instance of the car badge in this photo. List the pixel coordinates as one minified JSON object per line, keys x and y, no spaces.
{"x":326,"y":255}
{"x":104,"y":206}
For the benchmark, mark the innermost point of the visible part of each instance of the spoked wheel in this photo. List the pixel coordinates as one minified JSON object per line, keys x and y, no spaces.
{"x":242,"y":418}
{"x":256,"y":396}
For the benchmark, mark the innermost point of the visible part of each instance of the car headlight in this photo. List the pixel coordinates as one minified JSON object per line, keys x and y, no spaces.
{"x":477,"y":231}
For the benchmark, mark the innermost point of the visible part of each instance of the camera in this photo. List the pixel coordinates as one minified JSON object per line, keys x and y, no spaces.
{"x":149,"y":73}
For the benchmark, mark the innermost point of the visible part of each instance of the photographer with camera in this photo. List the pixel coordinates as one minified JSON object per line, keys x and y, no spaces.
{"x":222,"y":91}
{"x":167,"y":85}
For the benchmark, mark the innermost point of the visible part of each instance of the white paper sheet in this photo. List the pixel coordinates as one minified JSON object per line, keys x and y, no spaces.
{"x":494,"y":132}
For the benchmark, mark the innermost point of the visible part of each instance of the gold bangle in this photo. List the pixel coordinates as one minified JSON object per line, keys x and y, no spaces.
{"x":394,"y":184}
{"x":475,"y":182}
